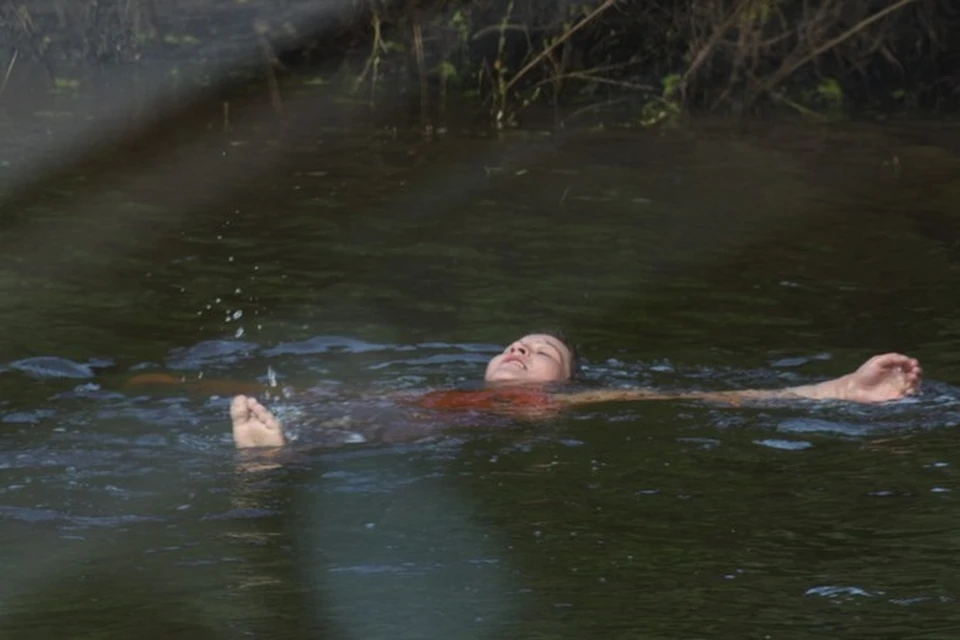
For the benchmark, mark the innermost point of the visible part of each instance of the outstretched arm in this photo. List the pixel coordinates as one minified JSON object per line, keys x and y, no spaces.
{"x":890,"y":376}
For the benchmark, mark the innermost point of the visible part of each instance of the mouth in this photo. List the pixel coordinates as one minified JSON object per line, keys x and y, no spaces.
{"x":510,"y":359}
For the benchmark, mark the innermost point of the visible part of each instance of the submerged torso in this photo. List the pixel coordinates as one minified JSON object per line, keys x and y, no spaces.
{"x":498,"y":400}
{"x":335,"y":420}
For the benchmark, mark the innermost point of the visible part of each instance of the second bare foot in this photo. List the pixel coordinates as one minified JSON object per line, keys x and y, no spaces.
{"x":254,"y":425}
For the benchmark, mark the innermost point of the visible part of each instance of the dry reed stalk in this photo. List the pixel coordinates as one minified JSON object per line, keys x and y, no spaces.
{"x":421,"y":69}
{"x":787,"y":68}
{"x":556,"y":43}
{"x":705,"y":51}
{"x":373,"y":60}
{"x":272,"y":62}
{"x":6,"y":76}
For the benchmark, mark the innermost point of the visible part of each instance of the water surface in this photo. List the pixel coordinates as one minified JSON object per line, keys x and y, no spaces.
{"x":355,"y":262}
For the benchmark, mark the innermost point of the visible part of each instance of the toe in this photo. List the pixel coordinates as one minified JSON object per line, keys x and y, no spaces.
{"x":239,"y":409}
{"x":263,"y":415}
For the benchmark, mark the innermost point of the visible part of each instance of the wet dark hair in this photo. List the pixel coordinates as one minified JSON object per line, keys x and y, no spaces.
{"x":576,"y":366}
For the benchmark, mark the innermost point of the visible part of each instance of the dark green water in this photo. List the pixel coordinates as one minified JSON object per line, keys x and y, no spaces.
{"x":363,"y":259}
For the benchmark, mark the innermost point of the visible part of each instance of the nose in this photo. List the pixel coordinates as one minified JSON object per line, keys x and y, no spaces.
{"x":519,"y":348}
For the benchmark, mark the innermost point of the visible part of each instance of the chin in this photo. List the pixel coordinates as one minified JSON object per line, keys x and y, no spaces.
{"x":503,"y":378}
{"x":515,"y":379}
{"x":507,"y":376}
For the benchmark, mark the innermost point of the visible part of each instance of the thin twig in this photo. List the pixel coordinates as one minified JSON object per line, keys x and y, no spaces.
{"x":421,"y":69}
{"x":373,"y":59}
{"x":556,"y":43}
{"x":496,"y":29}
{"x":789,"y":68}
{"x":271,"y":62}
{"x":594,"y":107}
{"x":708,"y":47}
{"x":590,"y":77}
{"x":6,"y":76}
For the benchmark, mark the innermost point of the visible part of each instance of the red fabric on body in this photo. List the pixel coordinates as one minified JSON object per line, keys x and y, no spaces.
{"x":516,"y":398}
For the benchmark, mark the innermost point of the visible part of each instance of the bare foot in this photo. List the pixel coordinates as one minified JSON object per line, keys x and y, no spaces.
{"x":890,"y":376}
{"x":254,"y":425}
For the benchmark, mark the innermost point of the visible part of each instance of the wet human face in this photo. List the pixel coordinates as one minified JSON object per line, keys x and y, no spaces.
{"x":534,"y":358}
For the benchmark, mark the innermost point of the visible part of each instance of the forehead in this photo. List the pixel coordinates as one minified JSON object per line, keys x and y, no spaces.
{"x":547,"y":339}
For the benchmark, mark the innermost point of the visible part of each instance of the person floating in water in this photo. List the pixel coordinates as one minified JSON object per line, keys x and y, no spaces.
{"x":524,"y":380}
